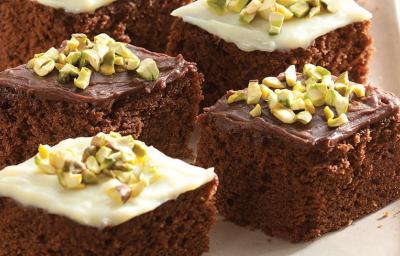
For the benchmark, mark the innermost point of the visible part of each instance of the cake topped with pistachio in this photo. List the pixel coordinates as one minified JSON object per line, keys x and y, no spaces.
{"x":269,"y":25}
{"x":293,"y":97}
{"x":100,"y":181}
{"x":80,"y":57}
{"x":276,"y":12}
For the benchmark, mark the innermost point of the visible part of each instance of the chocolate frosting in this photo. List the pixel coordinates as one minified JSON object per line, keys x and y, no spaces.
{"x":103,"y":90}
{"x":377,"y":105}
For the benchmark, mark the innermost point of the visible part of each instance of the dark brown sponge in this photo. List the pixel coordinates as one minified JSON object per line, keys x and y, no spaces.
{"x":227,"y":67}
{"x":27,"y":27}
{"x":179,"y":227}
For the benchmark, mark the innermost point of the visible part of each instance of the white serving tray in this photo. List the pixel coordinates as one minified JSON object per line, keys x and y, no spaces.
{"x":370,"y":236}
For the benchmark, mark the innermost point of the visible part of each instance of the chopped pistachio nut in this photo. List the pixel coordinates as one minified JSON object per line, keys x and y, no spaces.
{"x":339,"y":121}
{"x":275,"y":11}
{"x":273,"y":82}
{"x":148,"y":70}
{"x":109,"y":156}
{"x":291,"y":75}
{"x":217,"y":6}
{"x":275,"y":23}
{"x":256,"y":111}
{"x":237,"y":5}
{"x":304,"y":117}
{"x":292,"y":97}
{"x":253,"y":92}
{"x":249,"y":12}
{"x":80,"y":56}
{"x":343,"y":79}
{"x":83,"y":79}
{"x":285,"y":11}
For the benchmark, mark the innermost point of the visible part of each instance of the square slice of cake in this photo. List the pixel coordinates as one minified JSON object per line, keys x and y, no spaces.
{"x":301,"y":161}
{"x":231,"y":49}
{"x":106,"y":195}
{"x":30,"y":26}
{"x":72,"y":92}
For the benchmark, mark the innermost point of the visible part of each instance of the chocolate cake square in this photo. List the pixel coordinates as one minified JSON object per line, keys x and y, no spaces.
{"x":172,"y":215}
{"x":31,"y":26}
{"x":38,"y":109}
{"x":298,"y":181}
{"x":227,"y":65}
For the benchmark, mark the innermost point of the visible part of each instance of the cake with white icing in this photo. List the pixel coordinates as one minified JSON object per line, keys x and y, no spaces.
{"x":105,"y":195}
{"x":240,"y":40}
{"x":30,"y":26}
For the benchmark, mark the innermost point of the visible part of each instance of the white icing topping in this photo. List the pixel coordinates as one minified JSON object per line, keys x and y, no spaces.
{"x":250,"y":37}
{"x":92,"y":206}
{"x":76,"y":6}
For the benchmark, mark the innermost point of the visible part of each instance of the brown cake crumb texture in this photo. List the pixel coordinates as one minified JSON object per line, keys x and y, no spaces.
{"x":163,"y":118}
{"x":178,"y":227}
{"x":299,"y":193}
{"x":27,"y":27}
{"x":227,"y":67}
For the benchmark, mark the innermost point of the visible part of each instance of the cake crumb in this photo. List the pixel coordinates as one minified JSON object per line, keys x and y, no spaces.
{"x":384,"y":216}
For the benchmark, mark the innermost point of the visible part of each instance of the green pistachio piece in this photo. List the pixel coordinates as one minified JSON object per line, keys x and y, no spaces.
{"x":265,"y":92}
{"x":316,"y":93}
{"x":103,"y":39}
{"x":103,"y":153}
{"x":99,"y":140}
{"x":329,"y":113}
{"x":148,"y":70}
{"x":124,"y":177}
{"x":310,"y":81}
{"x":287,"y":3}
{"x":335,"y":99}
{"x":275,"y":23}
{"x":323,"y":71}
{"x":312,"y":71}
{"x":314,"y":11}
{"x":285,"y":96}
{"x":92,"y":165}
{"x":266,"y":8}
{"x":66,"y":73}
{"x":327,"y":80}
{"x":291,"y":75}
{"x":253,"y":92}
{"x":82,"y":39}
{"x":139,"y":150}
{"x":273,"y":82}
{"x":358,"y":89}
{"x":44,"y":151}
{"x":132,"y":63}
{"x":237,"y":96}
{"x":256,"y":111}
{"x":62,"y":59}
{"x":70,"y":180}
{"x":101,"y":50}
{"x":309,"y":106}
{"x":298,"y":104}
{"x":123,"y":51}
{"x":237,"y":5}
{"x":304,"y":117}
{"x":343,"y":79}
{"x":73,"y":58}
{"x":120,"y":194}
{"x":107,"y":67}
{"x":217,"y":6}
{"x":119,"y":61}
{"x":83,"y":79}
{"x":248,"y":13}
{"x":44,"y":166}
{"x":339,"y":121}
{"x":300,"y":9}
{"x":138,"y":188}
{"x":273,"y":101}
{"x":285,"y":115}
{"x":330,"y":5}
{"x":298,"y":95}
{"x":52,"y":53}
{"x":43,"y":65}
{"x":285,"y":11}
{"x":89,"y":177}
{"x":72,"y":45}
{"x":299,"y":87}
{"x":92,"y":57}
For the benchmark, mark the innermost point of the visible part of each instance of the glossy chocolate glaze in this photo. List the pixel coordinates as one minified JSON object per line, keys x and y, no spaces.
{"x":376,"y":106}
{"x":103,"y":90}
